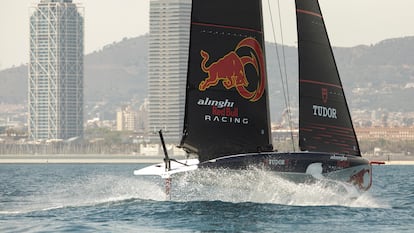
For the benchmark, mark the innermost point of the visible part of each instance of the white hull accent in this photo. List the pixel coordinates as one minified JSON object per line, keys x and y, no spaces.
{"x":315,"y":169}
{"x":176,"y":167}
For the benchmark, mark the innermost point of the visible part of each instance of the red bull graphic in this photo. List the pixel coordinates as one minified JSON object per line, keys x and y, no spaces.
{"x":230,"y":70}
{"x":362,"y":179}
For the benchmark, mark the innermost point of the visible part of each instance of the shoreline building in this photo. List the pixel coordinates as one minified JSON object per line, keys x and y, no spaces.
{"x":167,"y":67}
{"x":126,"y":119}
{"x":55,"y":85}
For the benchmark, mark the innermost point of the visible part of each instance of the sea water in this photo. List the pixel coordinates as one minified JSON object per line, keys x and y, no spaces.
{"x":108,"y":198}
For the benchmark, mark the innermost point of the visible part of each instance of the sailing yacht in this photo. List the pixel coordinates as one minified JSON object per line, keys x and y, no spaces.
{"x":227,"y":120}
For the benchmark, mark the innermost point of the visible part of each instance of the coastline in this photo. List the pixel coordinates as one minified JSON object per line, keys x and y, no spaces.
{"x":78,"y":159}
{"x":399,"y":162}
{"x":113,"y":159}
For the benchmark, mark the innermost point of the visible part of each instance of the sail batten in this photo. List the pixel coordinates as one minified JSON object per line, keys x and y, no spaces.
{"x":319,"y":83}
{"x":325,"y":123}
{"x":225,"y":26}
{"x":309,"y":13}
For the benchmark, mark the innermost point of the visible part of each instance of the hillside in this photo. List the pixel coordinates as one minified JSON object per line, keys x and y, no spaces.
{"x":117,"y":72}
{"x":379,"y":76}
{"x":375,"y":76}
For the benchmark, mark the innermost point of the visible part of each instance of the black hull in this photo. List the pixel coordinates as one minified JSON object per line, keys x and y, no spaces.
{"x":345,"y":168}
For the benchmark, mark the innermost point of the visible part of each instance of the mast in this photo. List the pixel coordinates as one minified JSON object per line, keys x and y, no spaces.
{"x":226,"y":108}
{"x":325,"y":123}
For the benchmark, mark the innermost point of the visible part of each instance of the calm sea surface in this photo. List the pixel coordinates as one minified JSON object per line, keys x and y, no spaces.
{"x":108,"y":198}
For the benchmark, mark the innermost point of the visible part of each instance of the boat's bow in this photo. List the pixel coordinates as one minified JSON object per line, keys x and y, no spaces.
{"x":177,"y":166}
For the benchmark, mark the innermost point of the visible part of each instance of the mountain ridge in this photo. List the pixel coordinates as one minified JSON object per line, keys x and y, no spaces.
{"x":379,"y":76}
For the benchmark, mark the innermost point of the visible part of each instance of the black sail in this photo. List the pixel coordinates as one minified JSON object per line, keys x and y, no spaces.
{"x":325,"y":123}
{"x":226,"y":108}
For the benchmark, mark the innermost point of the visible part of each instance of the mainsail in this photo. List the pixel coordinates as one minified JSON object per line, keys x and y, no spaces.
{"x":226,"y":108}
{"x":324,"y":120}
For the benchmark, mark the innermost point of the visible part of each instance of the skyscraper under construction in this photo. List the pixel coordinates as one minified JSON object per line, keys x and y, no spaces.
{"x":55,"y":85}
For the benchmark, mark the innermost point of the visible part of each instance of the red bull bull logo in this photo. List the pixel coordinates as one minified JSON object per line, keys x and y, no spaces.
{"x":230,"y":70}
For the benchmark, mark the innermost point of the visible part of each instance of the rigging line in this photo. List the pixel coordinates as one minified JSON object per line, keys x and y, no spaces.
{"x":280,"y":70}
{"x":286,"y":76}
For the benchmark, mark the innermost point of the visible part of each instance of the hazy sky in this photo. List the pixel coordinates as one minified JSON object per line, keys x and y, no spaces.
{"x":349,"y":23}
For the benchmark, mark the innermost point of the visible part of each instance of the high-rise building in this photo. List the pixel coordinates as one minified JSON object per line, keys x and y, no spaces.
{"x":55,"y":88}
{"x":168,"y":53}
{"x":126,"y":119}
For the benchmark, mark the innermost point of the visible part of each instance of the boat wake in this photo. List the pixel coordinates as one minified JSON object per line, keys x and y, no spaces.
{"x":261,"y":186}
{"x":255,"y":186}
